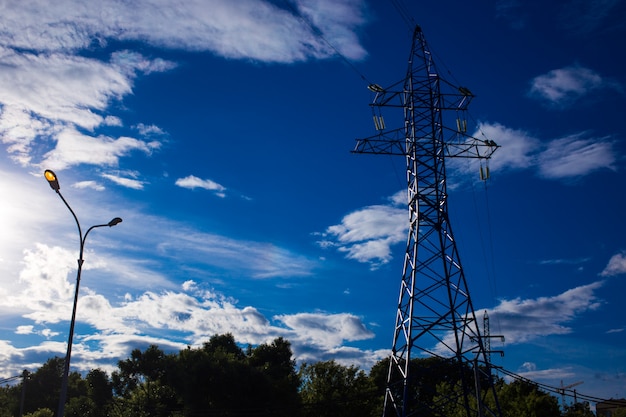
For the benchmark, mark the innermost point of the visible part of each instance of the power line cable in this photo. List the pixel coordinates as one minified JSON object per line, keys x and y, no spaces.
{"x":558,"y":390}
{"x":404,"y":13}
{"x":9,"y":379}
{"x":317,"y":32}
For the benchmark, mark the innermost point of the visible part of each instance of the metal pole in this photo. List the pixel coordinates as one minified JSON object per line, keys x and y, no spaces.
{"x":54,"y":184}
{"x":23,"y":397}
{"x":68,"y":355}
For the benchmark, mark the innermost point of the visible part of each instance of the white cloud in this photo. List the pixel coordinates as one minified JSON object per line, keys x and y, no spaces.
{"x":125,"y":181}
{"x":616,"y":265}
{"x":129,"y":62}
{"x":325,"y":330}
{"x":24,"y":329}
{"x":530,"y":371}
{"x":518,"y":148}
{"x":62,"y":97}
{"x":192,"y":182}
{"x":561,"y":87}
{"x":337,"y":20}
{"x":148,"y":130}
{"x":89,"y":184}
{"x":74,"y":148}
{"x":250,"y":29}
{"x":367,"y":234}
{"x":264,"y":260}
{"x":575,"y":156}
{"x":567,"y":157}
{"x":190,"y":310}
{"x":59,"y":87}
{"x":54,"y":99}
{"x":522,"y":320}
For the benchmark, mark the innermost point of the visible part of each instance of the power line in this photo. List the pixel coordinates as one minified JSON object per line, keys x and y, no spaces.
{"x":317,"y":32}
{"x":556,"y":390}
{"x":404,"y":13}
{"x":10,"y":379}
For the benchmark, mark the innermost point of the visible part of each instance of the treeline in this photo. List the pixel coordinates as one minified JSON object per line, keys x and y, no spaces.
{"x":222,"y":379}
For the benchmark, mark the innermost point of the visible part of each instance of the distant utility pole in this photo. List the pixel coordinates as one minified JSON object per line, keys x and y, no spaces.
{"x":435,"y":316}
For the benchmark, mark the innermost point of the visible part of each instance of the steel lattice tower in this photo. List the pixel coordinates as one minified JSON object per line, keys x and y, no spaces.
{"x":435,"y":316}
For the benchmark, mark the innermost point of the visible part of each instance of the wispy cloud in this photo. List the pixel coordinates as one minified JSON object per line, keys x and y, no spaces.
{"x":562,"y":87}
{"x":55,"y":99}
{"x":191,"y":310}
{"x":529,"y":370}
{"x":51,"y":105}
{"x":89,"y":184}
{"x":584,"y":17}
{"x":575,"y":156}
{"x":616,"y":265}
{"x":523,"y":320}
{"x":564,"y":261}
{"x":511,"y":11}
{"x":326,"y":330}
{"x":254,"y":29}
{"x":123,"y":314}
{"x":74,"y":148}
{"x":125,"y":181}
{"x":192,"y":182}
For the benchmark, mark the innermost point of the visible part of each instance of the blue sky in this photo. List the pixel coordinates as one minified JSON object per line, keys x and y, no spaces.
{"x":221,"y":133}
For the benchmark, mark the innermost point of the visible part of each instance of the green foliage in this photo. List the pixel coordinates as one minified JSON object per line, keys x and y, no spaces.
{"x":44,"y":386}
{"x":42,"y":412}
{"x":100,"y":392}
{"x":578,"y":410}
{"x":10,"y":400}
{"x":216,"y":378}
{"x":220,"y":378}
{"x":330,"y":389}
{"x":620,"y":412}
{"x":523,"y":399}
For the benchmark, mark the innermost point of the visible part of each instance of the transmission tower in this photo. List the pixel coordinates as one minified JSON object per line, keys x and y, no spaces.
{"x":435,"y":316}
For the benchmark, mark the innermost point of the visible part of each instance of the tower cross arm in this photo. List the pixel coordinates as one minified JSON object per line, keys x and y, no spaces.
{"x":471,"y":148}
{"x":393,"y":142}
{"x":390,"y":142}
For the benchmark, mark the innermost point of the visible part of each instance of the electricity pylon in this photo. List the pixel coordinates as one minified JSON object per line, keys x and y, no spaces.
{"x":435,"y":316}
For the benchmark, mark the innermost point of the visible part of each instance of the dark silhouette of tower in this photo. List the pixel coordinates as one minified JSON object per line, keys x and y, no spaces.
{"x":435,"y":316}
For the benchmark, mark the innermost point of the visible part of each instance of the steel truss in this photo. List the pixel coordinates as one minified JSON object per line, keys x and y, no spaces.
{"x":435,"y":316}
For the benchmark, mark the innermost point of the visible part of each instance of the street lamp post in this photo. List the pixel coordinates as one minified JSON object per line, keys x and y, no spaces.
{"x":54,"y":184}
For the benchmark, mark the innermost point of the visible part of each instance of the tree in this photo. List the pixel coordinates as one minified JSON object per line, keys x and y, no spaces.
{"x":143,"y":384}
{"x":218,"y":378}
{"x":620,"y":412}
{"x":330,"y":389}
{"x":100,"y":391}
{"x":274,"y":361}
{"x":433,"y":383}
{"x":141,"y":367}
{"x":578,"y":410}
{"x":9,"y":400}
{"x":44,"y":386}
{"x":149,"y":399}
{"x":42,"y":412}
{"x":525,"y":399}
